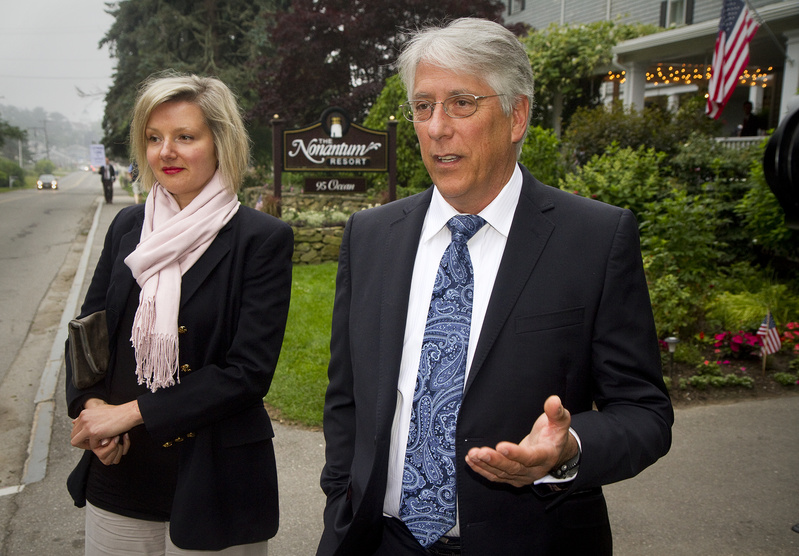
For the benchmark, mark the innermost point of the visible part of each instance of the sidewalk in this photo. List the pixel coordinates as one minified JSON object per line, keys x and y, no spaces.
{"x":729,"y":486}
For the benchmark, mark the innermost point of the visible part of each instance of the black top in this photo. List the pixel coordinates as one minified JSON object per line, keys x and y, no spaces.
{"x":142,"y":485}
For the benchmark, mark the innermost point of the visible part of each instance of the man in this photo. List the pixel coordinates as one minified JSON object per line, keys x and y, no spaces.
{"x":557,"y":319}
{"x":108,"y":174}
{"x":751,"y":123}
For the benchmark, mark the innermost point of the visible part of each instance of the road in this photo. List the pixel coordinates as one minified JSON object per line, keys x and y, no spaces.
{"x":37,"y":229}
{"x":728,"y":487}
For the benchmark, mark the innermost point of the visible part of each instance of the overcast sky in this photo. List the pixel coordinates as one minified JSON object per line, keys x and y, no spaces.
{"x":48,"y":50}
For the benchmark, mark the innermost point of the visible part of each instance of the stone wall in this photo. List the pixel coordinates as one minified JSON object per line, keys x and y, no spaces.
{"x":316,"y":245}
{"x":347,"y":203}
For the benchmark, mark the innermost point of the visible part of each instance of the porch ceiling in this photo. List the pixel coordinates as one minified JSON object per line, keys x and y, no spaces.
{"x":693,"y":44}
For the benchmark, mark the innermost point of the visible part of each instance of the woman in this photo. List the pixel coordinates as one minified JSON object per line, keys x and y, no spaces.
{"x":196,"y":291}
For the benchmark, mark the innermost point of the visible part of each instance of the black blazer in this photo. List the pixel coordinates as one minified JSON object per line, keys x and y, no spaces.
{"x":569,"y":315}
{"x":234,"y":304}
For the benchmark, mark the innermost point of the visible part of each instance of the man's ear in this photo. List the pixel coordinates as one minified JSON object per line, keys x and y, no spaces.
{"x":520,"y":114}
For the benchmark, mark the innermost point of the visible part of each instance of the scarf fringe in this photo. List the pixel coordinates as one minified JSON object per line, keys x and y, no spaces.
{"x":156,"y":354}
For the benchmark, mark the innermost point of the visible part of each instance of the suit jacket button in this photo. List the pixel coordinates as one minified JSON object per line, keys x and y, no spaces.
{"x":182,"y":329}
{"x":179,"y":439}
{"x":190,"y":435}
{"x":167,"y":444}
{"x":185,"y":368}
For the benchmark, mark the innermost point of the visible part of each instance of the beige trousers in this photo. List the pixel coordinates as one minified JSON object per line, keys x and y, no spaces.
{"x":110,"y":534}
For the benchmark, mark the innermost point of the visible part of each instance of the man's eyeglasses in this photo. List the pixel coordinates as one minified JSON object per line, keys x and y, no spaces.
{"x":457,"y":106}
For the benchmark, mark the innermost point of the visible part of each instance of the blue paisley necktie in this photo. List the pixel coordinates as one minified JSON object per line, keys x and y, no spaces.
{"x":428,"y":482}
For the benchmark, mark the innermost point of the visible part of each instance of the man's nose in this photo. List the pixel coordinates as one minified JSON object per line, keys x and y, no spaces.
{"x":440,"y":124}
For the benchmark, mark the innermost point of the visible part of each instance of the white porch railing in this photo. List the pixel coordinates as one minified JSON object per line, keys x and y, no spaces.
{"x":738,"y":143}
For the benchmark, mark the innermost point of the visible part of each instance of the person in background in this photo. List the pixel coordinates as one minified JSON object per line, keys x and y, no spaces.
{"x":494,"y":359}
{"x":751,"y":123}
{"x":178,"y":445}
{"x":108,"y":175}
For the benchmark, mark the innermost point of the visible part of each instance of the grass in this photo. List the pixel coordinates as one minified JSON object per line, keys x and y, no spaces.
{"x":298,"y":389}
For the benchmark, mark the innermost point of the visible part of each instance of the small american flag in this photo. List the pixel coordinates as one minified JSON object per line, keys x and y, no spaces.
{"x":771,"y":338}
{"x":736,"y":28}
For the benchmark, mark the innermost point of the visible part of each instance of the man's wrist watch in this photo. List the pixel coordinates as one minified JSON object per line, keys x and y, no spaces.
{"x":566,"y":470}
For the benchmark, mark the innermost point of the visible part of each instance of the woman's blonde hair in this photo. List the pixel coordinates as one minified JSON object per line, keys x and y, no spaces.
{"x":222,"y":116}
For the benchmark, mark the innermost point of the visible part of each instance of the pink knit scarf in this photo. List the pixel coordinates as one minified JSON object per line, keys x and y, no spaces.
{"x":171,"y":242}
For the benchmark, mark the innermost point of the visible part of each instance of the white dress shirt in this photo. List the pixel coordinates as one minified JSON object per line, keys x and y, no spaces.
{"x":485,"y":249}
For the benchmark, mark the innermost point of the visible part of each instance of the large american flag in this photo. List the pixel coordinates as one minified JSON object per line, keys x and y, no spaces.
{"x":736,"y":29}
{"x":771,"y":338}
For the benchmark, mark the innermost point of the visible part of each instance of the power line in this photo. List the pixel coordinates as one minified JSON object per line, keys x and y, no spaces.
{"x":71,"y":78}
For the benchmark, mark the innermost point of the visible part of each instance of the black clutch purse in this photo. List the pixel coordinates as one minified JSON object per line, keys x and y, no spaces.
{"x":88,"y":349}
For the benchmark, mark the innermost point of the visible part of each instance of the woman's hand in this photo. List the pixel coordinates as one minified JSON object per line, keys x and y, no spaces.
{"x":111,"y":450}
{"x":102,"y":428}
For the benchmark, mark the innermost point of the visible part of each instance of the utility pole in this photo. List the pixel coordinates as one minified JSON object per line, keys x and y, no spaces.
{"x":46,"y":142}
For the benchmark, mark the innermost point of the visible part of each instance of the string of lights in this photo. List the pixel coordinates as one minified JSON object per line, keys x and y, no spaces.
{"x":685,"y":74}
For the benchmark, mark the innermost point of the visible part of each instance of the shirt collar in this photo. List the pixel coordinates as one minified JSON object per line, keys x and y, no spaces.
{"x":498,"y":214}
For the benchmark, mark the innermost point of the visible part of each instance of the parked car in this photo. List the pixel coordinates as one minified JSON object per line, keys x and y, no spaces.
{"x":47,"y":181}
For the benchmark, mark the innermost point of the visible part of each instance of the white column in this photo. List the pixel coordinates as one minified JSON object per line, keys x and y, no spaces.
{"x":634,"y":85}
{"x":790,"y":77}
{"x":756,"y":98}
{"x":673,"y":103}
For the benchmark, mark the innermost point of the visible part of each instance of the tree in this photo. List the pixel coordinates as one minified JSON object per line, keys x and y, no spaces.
{"x":8,"y":131}
{"x":412,"y":176}
{"x":340,"y":52}
{"x":208,"y":37}
{"x":44,"y":166}
{"x":565,"y":58}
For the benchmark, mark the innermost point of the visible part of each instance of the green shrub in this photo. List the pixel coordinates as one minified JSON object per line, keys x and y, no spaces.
{"x":592,"y":131}
{"x":678,"y":240}
{"x":672,"y":305}
{"x":746,"y":310}
{"x":44,"y":166}
{"x":787,"y":379}
{"x":412,"y":175}
{"x":314,"y":218}
{"x":9,"y":168}
{"x":764,"y":222}
{"x":624,"y":177}
{"x":541,"y":155}
{"x":702,"y":382}
{"x":700,"y":159}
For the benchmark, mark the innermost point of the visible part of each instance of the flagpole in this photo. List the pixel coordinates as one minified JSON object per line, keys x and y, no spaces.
{"x":763,"y":349}
{"x":762,"y":23}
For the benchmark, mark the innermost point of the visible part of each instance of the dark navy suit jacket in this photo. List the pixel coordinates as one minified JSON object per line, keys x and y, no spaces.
{"x":569,"y":315}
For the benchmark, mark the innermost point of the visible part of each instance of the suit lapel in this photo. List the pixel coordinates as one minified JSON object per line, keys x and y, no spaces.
{"x":527,"y":238}
{"x":397,"y":273}
{"x":198,"y":273}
